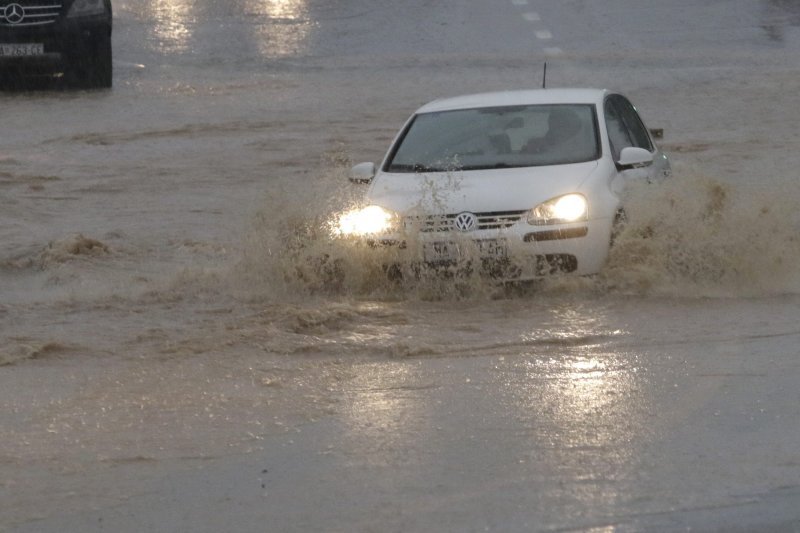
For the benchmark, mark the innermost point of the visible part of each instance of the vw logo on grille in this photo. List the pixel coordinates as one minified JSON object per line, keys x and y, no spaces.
{"x":466,"y":222}
{"x":14,"y":13}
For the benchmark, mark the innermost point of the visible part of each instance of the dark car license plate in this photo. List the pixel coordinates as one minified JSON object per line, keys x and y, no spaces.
{"x":21,"y":49}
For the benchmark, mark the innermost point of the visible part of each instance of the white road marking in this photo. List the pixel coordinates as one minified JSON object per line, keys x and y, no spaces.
{"x":543,"y":34}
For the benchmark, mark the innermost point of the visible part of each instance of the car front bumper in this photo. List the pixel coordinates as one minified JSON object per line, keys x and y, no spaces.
{"x":523,"y":252}
{"x":65,"y":42}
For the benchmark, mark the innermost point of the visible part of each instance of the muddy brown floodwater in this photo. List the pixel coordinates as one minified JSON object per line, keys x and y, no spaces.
{"x":163,"y":314}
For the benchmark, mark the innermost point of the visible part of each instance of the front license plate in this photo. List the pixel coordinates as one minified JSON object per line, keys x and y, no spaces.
{"x":492,"y":248}
{"x":21,"y":49}
{"x":440,"y":251}
{"x":453,"y":251}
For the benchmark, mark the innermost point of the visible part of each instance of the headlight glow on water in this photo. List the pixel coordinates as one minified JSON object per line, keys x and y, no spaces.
{"x":563,"y":209}
{"x":370,"y":220}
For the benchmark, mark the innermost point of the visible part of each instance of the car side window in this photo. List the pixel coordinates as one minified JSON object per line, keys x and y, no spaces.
{"x":625,"y":127}
{"x":617,"y":133}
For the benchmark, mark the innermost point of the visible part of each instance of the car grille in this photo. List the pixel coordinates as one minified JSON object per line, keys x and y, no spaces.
{"x":28,"y":13}
{"x":493,"y":220}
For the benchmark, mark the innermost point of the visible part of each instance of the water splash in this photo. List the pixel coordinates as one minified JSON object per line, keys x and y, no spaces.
{"x":695,"y":235}
{"x":688,"y":236}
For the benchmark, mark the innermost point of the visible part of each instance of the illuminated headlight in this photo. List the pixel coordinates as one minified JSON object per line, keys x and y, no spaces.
{"x":561,"y":210}
{"x":83,"y":8}
{"x":367,"y":221}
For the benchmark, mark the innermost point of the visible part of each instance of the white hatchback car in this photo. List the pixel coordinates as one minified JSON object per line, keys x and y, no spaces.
{"x":517,"y":185}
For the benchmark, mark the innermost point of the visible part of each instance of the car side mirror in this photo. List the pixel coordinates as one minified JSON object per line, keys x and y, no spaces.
{"x":633,"y":157}
{"x":362,"y":173}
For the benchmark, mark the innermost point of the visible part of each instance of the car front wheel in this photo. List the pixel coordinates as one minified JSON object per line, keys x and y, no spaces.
{"x":620,"y":220}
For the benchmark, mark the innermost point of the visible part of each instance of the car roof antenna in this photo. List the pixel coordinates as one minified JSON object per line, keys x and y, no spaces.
{"x":544,"y":76}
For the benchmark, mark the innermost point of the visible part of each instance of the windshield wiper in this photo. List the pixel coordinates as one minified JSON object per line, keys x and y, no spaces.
{"x":416,"y":167}
{"x":490,"y":167}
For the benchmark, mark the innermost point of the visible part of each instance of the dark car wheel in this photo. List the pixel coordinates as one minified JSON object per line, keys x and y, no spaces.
{"x":620,"y":220}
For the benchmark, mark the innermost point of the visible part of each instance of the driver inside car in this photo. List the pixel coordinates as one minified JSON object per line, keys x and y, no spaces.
{"x":562,"y":126}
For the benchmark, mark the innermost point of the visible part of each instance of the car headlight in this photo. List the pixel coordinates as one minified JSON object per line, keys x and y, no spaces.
{"x":83,"y":8}
{"x":568,"y":208}
{"x":370,"y":220}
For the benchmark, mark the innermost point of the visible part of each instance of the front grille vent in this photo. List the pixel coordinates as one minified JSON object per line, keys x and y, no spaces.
{"x":28,"y":13}
{"x":493,"y":220}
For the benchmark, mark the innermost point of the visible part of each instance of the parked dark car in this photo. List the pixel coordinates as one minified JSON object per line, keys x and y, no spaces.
{"x":56,"y":38}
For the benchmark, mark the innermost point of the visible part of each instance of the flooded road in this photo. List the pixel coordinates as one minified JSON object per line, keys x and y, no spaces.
{"x":169,"y":360}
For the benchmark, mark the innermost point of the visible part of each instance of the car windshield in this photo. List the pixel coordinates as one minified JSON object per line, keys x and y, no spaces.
{"x":498,"y":137}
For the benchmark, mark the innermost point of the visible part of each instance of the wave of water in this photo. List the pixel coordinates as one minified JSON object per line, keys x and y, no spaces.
{"x":688,"y":236}
{"x":695,"y":235}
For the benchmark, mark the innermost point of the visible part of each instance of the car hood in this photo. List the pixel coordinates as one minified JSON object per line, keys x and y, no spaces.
{"x":478,"y":191}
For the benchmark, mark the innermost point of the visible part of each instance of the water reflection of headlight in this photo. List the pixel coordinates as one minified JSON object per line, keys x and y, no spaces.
{"x":286,"y":28}
{"x":370,"y":220}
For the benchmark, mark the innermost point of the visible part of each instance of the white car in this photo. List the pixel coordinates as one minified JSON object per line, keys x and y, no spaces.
{"x":516,"y":185}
